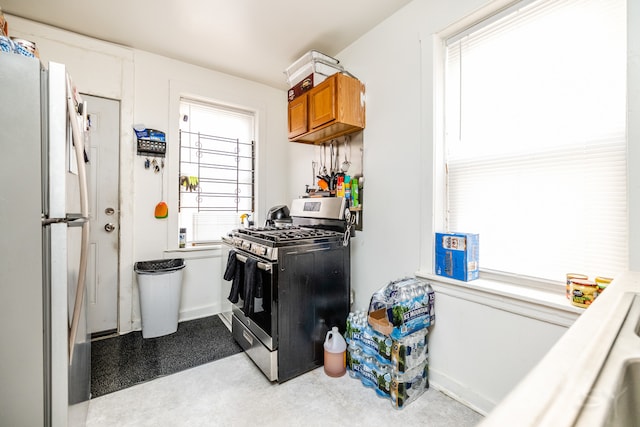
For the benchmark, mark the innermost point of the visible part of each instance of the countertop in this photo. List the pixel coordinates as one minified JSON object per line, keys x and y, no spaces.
{"x":554,"y":391}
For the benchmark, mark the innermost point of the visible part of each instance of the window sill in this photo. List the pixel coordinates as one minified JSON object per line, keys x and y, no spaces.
{"x":195,"y":252}
{"x":547,"y":306}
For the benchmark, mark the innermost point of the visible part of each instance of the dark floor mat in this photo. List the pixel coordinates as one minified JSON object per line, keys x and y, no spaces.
{"x":126,"y":360}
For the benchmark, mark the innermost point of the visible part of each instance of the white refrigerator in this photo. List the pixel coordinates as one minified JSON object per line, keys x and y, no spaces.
{"x":45,"y":347}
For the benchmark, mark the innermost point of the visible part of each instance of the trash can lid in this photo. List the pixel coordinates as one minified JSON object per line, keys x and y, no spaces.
{"x":159,"y":265}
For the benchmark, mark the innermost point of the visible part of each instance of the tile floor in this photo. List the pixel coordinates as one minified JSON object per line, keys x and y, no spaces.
{"x":233,"y":392}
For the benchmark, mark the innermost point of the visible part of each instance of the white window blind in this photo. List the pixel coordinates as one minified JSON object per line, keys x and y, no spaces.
{"x":535,"y":143}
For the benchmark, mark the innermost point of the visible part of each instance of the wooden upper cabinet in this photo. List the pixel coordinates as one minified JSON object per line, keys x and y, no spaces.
{"x":298,"y":116}
{"x":322,"y":104}
{"x":333,"y":108}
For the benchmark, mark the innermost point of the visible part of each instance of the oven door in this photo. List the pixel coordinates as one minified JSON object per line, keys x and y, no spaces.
{"x":261,"y":321}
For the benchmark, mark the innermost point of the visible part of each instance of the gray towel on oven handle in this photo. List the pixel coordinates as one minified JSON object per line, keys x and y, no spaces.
{"x":236,"y":274}
{"x":231,"y":266}
{"x":252,"y":285}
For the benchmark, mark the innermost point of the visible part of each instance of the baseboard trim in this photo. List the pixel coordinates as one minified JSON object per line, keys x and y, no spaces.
{"x":186,"y":315}
{"x":460,"y":392}
{"x":198,"y":312}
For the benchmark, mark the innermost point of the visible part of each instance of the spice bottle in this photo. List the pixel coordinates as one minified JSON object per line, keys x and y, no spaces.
{"x":183,"y":237}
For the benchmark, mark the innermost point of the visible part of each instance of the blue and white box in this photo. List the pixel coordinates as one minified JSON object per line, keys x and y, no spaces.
{"x":457,"y":256}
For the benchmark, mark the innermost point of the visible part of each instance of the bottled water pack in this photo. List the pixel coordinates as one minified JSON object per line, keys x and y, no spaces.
{"x":402,"y":307}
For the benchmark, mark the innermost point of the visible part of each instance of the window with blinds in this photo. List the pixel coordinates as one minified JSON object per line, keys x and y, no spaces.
{"x":217,"y":169}
{"x":535,"y":142}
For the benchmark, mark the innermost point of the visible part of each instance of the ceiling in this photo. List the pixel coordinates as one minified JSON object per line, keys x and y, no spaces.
{"x":253,"y":39}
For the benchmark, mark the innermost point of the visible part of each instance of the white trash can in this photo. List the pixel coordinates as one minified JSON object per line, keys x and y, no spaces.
{"x":160,"y":284}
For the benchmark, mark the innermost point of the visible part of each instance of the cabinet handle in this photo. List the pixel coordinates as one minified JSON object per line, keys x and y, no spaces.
{"x":261,"y":265}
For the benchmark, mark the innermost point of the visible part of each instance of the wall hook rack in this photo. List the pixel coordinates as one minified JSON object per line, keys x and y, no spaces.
{"x":151,"y":142}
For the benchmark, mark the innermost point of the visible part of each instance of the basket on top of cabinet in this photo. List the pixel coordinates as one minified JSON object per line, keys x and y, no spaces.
{"x":334,"y":108}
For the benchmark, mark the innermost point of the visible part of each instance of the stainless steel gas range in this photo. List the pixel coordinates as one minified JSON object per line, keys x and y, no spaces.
{"x":290,"y":285}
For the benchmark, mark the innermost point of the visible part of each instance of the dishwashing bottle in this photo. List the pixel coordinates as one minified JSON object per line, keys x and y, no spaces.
{"x":335,"y":353}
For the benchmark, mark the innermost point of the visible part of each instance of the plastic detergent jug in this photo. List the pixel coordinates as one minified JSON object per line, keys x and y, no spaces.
{"x":335,"y":353}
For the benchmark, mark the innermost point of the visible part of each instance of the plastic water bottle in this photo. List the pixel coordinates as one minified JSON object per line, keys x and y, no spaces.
{"x":335,"y":353}
{"x":348,"y":334}
{"x":384,"y":372}
{"x":353,"y":359}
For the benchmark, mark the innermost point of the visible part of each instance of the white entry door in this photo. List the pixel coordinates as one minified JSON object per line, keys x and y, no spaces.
{"x":103,"y":174}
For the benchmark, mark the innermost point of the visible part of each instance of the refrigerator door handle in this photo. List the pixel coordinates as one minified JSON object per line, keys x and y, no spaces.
{"x":72,"y":220}
{"x":78,"y":143}
{"x":77,"y":307}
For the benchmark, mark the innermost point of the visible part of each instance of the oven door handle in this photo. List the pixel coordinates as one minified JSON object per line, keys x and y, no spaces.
{"x":261,"y":265}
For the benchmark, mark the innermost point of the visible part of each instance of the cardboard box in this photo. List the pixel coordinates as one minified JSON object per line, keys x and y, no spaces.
{"x":457,"y":256}
{"x":4,"y":26}
{"x":378,"y":321}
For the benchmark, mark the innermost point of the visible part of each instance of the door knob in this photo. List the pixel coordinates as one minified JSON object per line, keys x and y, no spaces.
{"x":109,"y":227}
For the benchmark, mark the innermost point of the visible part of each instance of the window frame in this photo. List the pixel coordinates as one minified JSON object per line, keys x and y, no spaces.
{"x":208,"y":94}
{"x":437,"y":200}
{"x":249,"y":145}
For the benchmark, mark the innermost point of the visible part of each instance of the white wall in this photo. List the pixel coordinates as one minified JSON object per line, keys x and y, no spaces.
{"x":478,"y":352}
{"x":149,"y":87}
{"x":159,"y":84}
{"x":387,"y":60}
{"x":477,"y":349}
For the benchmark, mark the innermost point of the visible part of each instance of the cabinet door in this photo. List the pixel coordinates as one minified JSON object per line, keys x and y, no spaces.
{"x":298,"y":116}
{"x":322,"y":103}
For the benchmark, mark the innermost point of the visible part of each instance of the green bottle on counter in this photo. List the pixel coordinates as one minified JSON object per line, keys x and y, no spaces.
{"x":355,"y":192}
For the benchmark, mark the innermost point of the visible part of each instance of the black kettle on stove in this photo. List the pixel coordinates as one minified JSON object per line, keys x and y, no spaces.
{"x":278,"y":216}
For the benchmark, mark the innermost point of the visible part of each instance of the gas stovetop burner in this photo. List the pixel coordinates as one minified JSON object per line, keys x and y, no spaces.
{"x":302,"y":234}
{"x":285,"y":234}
